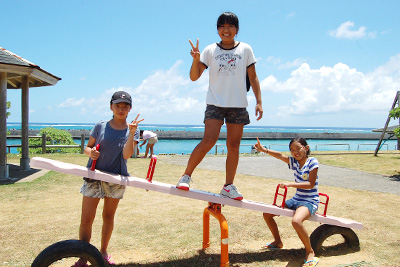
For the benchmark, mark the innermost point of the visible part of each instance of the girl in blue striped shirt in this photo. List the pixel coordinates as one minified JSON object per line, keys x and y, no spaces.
{"x":305,"y":201}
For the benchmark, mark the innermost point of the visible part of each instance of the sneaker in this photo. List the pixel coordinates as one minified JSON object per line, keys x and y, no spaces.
{"x":184,"y":182}
{"x":232,"y":192}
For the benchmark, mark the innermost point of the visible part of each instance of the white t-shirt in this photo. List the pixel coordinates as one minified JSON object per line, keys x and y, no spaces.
{"x":148,"y":135}
{"x":227,"y":74}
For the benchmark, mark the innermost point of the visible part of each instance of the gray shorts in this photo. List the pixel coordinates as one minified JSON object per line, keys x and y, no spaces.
{"x":230,"y":115}
{"x":100,"y":189}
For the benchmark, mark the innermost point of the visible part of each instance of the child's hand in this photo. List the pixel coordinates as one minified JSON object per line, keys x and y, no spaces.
{"x":195,"y":53}
{"x":259,"y":147}
{"x":282,"y":185}
{"x":259,"y":111}
{"x":94,"y":153}
{"x":134,"y":124}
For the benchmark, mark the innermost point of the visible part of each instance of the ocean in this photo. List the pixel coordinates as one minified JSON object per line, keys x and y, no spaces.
{"x":187,"y":146}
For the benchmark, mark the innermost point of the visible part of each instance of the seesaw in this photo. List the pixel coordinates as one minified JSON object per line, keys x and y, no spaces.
{"x":331,"y":225}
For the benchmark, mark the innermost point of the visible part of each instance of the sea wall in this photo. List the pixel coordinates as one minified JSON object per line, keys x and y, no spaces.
{"x":182,"y":135}
{"x":275,"y":135}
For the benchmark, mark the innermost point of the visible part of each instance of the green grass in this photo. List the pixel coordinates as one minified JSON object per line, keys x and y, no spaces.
{"x":154,"y":229}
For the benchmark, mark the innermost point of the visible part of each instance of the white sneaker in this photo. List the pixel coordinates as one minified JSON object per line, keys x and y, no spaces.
{"x":232,"y":192}
{"x":184,"y":182}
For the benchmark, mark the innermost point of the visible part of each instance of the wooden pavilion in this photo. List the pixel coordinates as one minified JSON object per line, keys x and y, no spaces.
{"x":18,"y":73}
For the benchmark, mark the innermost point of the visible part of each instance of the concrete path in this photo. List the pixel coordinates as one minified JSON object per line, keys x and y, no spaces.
{"x":270,"y":167}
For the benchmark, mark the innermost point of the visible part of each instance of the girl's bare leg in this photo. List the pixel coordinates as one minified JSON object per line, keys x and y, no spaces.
{"x":89,"y":206}
{"x":109,"y":209}
{"x":211,"y":134}
{"x":151,"y":147}
{"x":302,"y":214}
{"x":234,"y":136}
{"x":273,"y":227}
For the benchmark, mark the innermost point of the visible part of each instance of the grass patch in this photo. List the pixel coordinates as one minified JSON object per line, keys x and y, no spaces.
{"x":154,"y":229}
{"x":384,"y":163}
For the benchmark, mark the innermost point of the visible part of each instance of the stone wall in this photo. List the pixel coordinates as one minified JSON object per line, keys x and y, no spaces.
{"x":179,"y":135}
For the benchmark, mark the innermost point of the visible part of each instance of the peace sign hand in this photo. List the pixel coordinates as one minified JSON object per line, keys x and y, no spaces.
{"x":134,"y":124}
{"x":195,"y":53}
{"x":258,"y":146}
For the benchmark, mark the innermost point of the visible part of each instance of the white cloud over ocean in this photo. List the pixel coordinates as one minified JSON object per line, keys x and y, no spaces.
{"x":169,"y":94}
{"x":337,"y":89}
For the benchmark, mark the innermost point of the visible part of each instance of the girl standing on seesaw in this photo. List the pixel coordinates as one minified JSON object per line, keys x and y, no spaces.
{"x":228,"y":62}
{"x":117,"y":139}
{"x":305,"y":201}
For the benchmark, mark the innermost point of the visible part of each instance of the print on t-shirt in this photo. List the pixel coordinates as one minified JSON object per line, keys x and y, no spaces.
{"x":227,"y":64}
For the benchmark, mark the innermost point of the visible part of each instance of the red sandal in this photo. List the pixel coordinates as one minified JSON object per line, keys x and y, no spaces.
{"x":109,"y":260}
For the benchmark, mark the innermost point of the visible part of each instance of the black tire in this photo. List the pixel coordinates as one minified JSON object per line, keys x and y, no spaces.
{"x":68,"y":249}
{"x":324,"y":231}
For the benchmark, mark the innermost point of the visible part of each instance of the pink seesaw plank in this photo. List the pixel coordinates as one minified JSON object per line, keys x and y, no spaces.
{"x":74,"y":169}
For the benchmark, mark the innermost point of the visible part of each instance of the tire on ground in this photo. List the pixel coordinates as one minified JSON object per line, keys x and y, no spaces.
{"x":68,"y":249}
{"x":324,"y":231}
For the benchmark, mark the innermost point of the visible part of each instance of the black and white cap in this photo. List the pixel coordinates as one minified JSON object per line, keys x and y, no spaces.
{"x":121,"y":97}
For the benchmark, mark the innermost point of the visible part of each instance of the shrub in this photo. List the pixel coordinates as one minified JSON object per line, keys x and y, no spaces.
{"x":53,"y":137}
{"x":395,"y":114}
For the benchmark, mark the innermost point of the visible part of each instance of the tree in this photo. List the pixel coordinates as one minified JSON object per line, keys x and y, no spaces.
{"x":395,"y":114}
{"x":53,"y":137}
{"x":8,"y":107}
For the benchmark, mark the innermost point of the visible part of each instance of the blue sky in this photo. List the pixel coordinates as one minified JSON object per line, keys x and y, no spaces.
{"x":320,"y":63}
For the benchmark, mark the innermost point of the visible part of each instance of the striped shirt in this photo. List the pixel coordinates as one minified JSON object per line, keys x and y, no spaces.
{"x":302,"y":175}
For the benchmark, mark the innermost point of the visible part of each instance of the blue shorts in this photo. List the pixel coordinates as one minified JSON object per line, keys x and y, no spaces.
{"x":294,"y":204}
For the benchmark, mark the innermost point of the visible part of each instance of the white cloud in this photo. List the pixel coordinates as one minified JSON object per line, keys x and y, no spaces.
{"x":71,"y":102}
{"x":290,"y":15}
{"x":165,"y":92}
{"x":292,"y":64}
{"x":346,"y":31}
{"x":285,"y":65}
{"x":337,"y":89}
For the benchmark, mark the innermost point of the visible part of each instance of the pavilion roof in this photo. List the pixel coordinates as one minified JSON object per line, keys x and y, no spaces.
{"x":16,"y":67}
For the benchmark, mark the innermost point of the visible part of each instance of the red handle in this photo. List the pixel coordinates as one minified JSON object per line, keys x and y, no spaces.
{"x":324,"y":203}
{"x":152,"y":166}
{"x":94,"y":161}
{"x":280,"y":194}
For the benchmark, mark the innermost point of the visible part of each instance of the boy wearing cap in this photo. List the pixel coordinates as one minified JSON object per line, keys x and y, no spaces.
{"x":117,"y":139}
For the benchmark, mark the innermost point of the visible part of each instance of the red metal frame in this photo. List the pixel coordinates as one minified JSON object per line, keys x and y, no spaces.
{"x":283,"y":195}
{"x":152,"y":166}
{"x":324,"y":203}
